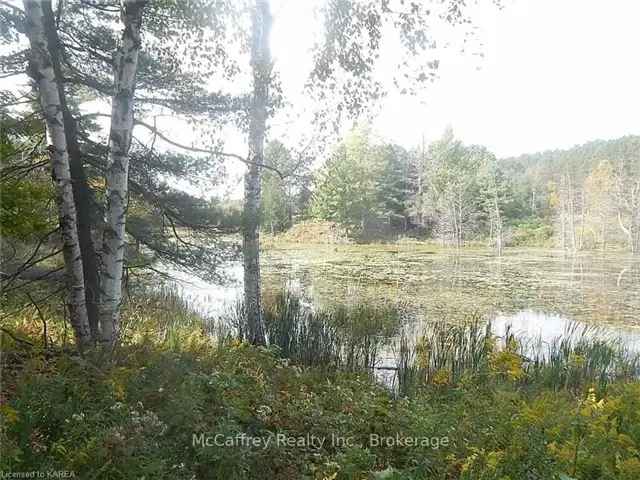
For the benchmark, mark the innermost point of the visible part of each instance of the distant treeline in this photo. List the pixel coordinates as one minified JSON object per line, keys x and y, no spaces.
{"x":586,"y":197}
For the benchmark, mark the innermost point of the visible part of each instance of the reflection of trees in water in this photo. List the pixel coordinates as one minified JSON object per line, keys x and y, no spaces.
{"x":597,"y":288}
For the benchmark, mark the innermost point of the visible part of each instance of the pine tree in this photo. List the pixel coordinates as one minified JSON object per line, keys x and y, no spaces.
{"x":363,"y":186}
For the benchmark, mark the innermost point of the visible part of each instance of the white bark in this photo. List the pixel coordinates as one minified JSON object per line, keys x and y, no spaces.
{"x":572,"y":216}
{"x":261,"y":66}
{"x":113,"y":247}
{"x":498,"y":219}
{"x":41,"y":69}
{"x":635,"y":217}
{"x":628,"y":208}
{"x":563,"y":216}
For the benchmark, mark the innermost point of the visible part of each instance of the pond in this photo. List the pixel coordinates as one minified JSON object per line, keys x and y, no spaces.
{"x":538,"y":292}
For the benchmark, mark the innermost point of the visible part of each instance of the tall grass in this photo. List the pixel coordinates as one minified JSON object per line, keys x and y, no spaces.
{"x":580,"y":357}
{"x":446,"y":354}
{"x":359,"y":338}
{"x":348,"y":338}
{"x":160,"y":314}
{"x":442,"y":353}
{"x":300,"y":334}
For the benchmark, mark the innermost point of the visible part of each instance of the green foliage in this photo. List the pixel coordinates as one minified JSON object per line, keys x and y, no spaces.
{"x":466,"y":194}
{"x":362,"y":186}
{"x":491,"y":417}
{"x":449,"y":354}
{"x":531,"y":233}
{"x":276,"y":206}
{"x":579,"y":191}
{"x":27,"y":209}
{"x":461,"y":193}
{"x":284,"y":187}
{"x":138,"y":416}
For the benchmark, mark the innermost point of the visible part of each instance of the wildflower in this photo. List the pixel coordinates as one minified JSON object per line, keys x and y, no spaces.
{"x":264,"y":411}
{"x":591,"y":400}
{"x":442,"y":377}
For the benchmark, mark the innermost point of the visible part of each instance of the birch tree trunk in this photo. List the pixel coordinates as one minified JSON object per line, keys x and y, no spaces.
{"x":420,"y":196}
{"x":627,"y":199}
{"x":562,"y":198}
{"x":41,"y":70}
{"x":81,"y":192}
{"x":113,"y":246}
{"x":261,"y":66}
{"x":498,"y":219}
{"x":583,"y":215}
{"x":635,"y":218}
{"x":572,"y":216}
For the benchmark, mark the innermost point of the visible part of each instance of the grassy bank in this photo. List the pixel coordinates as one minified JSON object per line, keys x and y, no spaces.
{"x":475,"y":408}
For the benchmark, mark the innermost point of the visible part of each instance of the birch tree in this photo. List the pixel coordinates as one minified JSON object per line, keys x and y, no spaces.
{"x":81,"y":192}
{"x":84,"y":38}
{"x":601,"y":213}
{"x":627,"y":192}
{"x":113,"y":248}
{"x":341,"y":82}
{"x":261,"y":69}
{"x":495,"y":194}
{"x":41,"y":70}
{"x":452,"y":175}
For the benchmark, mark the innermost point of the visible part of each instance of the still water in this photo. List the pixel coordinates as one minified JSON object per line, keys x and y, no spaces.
{"x":537,"y":292}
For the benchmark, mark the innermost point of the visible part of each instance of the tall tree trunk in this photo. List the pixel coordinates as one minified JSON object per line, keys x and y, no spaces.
{"x":533,"y":201}
{"x":583,"y":214}
{"x":603,"y":222}
{"x":496,"y":206}
{"x":626,"y":231}
{"x":113,"y":246}
{"x":261,"y":66}
{"x":563,"y":213}
{"x":572,"y":217}
{"x":571,"y":213}
{"x":81,"y":192}
{"x":420,"y":196}
{"x":41,"y":69}
{"x":635,"y":218}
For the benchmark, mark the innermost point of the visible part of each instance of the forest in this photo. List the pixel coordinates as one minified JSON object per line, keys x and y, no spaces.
{"x":583,"y":198}
{"x":211,"y":271}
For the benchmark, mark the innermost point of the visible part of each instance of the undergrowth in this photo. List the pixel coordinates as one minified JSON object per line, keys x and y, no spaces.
{"x":476,"y":407}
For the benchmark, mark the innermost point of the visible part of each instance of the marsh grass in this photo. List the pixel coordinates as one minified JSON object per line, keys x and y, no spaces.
{"x":346,"y":338}
{"x":449,"y":354}
{"x":161,"y":315}
{"x":580,"y":357}
{"x":359,"y":338}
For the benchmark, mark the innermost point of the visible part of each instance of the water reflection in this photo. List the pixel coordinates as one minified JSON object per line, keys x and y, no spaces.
{"x":539,"y":292}
{"x":546,"y":327}
{"x":209,"y":299}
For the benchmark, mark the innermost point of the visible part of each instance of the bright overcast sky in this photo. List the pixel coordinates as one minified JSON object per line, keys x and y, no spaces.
{"x":555,"y":73}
